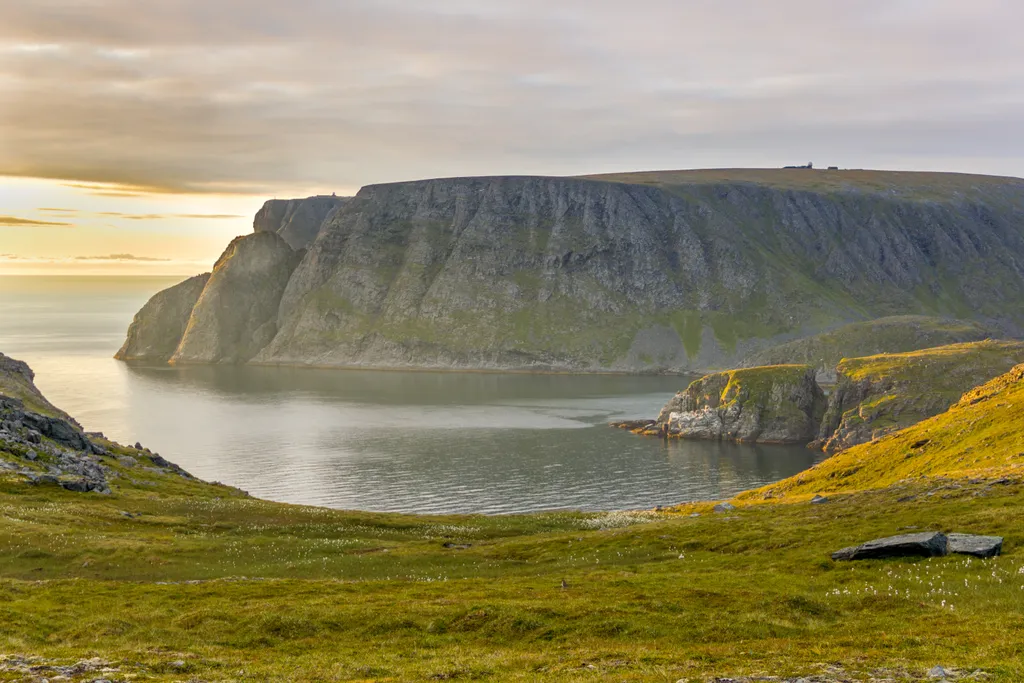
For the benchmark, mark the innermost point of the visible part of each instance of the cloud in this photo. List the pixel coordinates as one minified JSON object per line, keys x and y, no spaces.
{"x":139,"y":216}
{"x":254,"y":96}
{"x":165,"y":216}
{"x":15,"y":222}
{"x":121,"y":257}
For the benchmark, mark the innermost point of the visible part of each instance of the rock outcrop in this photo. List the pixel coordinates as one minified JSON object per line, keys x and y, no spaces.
{"x":157,"y":329}
{"x":777,"y":404}
{"x":297,"y":221}
{"x":878,"y":395}
{"x":17,"y":382}
{"x":44,"y":446}
{"x":645,"y":272}
{"x":236,"y":315}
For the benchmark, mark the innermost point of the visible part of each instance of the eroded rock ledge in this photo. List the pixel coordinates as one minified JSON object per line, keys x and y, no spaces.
{"x":775,"y":404}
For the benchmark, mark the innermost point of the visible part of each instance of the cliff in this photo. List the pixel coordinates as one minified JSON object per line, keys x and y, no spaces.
{"x":777,"y":404}
{"x":642,"y":272}
{"x":882,"y":394}
{"x":297,"y":221}
{"x":158,"y":327}
{"x":979,"y":437}
{"x":236,"y":315}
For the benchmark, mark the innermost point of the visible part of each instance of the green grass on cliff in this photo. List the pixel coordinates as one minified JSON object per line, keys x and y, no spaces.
{"x":902,"y":389}
{"x":761,"y":391}
{"x":895,"y":334}
{"x":922,"y":185}
{"x":981,"y":436}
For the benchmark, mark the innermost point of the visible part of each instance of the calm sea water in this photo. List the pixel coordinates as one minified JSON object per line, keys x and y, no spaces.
{"x":389,"y":441}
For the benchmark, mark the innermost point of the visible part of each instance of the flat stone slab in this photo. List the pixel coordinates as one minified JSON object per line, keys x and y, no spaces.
{"x":927,"y":544}
{"x":978,"y":546}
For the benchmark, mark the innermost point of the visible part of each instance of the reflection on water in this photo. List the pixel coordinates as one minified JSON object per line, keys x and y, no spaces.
{"x":403,"y":441}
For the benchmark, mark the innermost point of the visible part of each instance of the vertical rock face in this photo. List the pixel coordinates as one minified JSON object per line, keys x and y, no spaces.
{"x":878,"y":395}
{"x":775,"y":404}
{"x":652,"y":272}
{"x":236,"y":315}
{"x":158,"y":327}
{"x":297,"y":221}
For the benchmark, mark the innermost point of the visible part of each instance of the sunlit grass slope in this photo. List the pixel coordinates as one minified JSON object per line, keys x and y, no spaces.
{"x":982,"y":435}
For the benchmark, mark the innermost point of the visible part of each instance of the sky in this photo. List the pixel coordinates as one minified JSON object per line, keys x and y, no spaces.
{"x":141,"y":135}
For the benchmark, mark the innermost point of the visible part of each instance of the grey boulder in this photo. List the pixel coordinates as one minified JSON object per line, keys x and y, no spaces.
{"x":978,"y":546}
{"x":927,"y":544}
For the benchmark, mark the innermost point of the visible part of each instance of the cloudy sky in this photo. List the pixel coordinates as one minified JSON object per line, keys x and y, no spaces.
{"x":155,"y":128}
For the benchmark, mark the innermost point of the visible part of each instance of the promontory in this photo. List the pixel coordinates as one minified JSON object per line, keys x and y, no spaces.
{"x":640,"y":272}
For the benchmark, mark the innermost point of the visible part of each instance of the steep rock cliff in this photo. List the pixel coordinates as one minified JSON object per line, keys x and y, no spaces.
{"x":645,"y":272}
{"x":236,"y":315}
{"x":776,"y":404}
{"x":878,"y":395}
{"x":297,"y":221}
{"x":158,"y":327}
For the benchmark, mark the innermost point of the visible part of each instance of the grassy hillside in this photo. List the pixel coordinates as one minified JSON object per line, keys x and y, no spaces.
{"x":894,"y":334}
{"x":981,"y":436}
{"x":201,"y":583}
{"x":880,"y":394}
{"x":172,"y":579}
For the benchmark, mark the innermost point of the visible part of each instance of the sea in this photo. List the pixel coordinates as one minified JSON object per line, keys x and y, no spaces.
{"x":417,"y":442}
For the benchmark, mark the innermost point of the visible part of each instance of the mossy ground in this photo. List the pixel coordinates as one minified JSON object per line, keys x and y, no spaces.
{"x":203,"y":583}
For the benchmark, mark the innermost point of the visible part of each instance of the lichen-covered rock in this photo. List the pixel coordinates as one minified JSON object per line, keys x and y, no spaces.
{"x":158,"y":327}
{"x":877,"y":395}
{"x":236,"y":315}
{"x":774,"y":404}
{"x":297,"y":221}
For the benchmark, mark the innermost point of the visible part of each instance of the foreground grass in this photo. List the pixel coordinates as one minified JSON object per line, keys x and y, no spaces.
{"x":203,"y":583}
{"x":172,"y":579}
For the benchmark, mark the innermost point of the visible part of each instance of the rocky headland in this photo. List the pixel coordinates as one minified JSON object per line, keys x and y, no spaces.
{"x":649,"y":272}
{"x":875,"y":396}
{"x":45,"y":446}
{"x":779,"y":404}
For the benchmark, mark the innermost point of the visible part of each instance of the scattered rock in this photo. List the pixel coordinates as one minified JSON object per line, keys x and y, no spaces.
{"x":724,"y":507}
{"x":633,"y":425}
{"x":818,"y":500}
{"x":936,"y":672}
